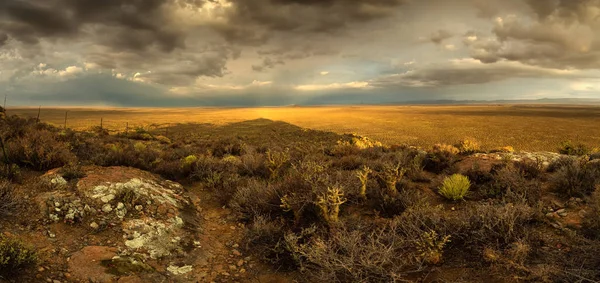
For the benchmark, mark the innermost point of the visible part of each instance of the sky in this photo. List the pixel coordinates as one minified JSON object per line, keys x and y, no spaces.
{"x":307,"y":52}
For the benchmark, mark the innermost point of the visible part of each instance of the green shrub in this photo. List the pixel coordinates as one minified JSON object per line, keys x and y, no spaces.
{"x":568,"y":148}
{"x":15,"y":256}
{"x":455,"y":187}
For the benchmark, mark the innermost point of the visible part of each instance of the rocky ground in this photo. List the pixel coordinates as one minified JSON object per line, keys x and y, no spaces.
{"x":119,"y":224}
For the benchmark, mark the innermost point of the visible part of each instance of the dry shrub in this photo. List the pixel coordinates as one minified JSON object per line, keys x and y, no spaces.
{"x":591,"y":221}
{"x":568,"y":148}
{"x":266,"y":239}
{"x":217,"y":175}
{"x":228,"y":146}
{"x":253,"y":165}
{"x":576,"y":179}
{"x":441,"y":159}
{"x":39,"y":150}
{"x":468,"y":146}
{"x":511,"y":184}
{"x":390,"y":206}
{"x":530,"y":169}
{"x":126,"y":153}
{"x":560,"y":162}
{"x":365,"y":253}
{"x":348,"y":162}
{"x":256,"y":198}
{"x":489,"y":223}
{"x":72,"y":171}
{"x":8,"y":199}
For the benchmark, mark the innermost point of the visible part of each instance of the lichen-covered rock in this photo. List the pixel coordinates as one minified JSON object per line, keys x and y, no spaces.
{"x":146,"y":208}
{"x":156,"y":238}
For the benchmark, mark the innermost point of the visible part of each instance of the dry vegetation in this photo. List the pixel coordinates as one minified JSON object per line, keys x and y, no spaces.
{"x":523,"y":127}
{"x":344,"y":208}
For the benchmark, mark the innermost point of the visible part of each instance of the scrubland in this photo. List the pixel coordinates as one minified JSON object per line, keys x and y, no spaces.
{"x":321,"y":206}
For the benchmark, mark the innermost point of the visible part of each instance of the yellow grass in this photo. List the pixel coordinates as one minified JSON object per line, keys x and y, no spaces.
{"x":523,"y":127}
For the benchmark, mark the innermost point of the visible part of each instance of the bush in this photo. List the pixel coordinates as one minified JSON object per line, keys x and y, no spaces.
{"x":8,"y":199}
{"x":468,"y":146}
{"x":253,"y":165}
{"x":560,"y":162}
{"x":266,"y":239}
{"x":15,"y":256}
{"x":591,"y":221}
{"x":348,"y":162}
{"x":353,"y":254}
{"x":579,"y":178}
{"x":228,"y":146}
{"x":72,"y":171}
{"x":568,"y":148}
{"x":254,"y":199}
{"x":489,"y":224}
{"x":39,"y":150}
{"x":441,"y":158}
{"x":512,"y":184}
{"x":455,"y":187}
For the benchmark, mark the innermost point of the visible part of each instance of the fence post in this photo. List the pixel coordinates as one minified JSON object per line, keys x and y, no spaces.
{"x":167,"y":131}
{"x":126,"y":128}
{"x":66,"y":113}
{"x":101,"y":126}
{"x":38,"y":115}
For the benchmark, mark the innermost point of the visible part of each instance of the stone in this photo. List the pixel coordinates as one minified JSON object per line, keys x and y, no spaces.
{"x":176,"y":270}
{"x":107,"y":198}
{"x":240,"y":262}
{"x":232,"y":267}
{"x":107,"y":208}
{"x":236,"y":253}
{"x":94,"y":225}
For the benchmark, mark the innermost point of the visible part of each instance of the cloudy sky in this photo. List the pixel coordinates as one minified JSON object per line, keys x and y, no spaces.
{"x":279,"y":52}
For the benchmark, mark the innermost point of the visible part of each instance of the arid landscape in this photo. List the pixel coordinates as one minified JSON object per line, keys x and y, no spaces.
{"x":524,"y":127}
{"x":234,"y":195}
{"x":299,"y":141}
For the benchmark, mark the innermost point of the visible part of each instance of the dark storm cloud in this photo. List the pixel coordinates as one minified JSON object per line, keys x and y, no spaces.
{"x":466,"y":73}
{"x":312,"y":16}
{"x":143,"y":22}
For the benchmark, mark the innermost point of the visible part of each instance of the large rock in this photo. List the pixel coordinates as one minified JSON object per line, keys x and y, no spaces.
{"x":150,"y":212}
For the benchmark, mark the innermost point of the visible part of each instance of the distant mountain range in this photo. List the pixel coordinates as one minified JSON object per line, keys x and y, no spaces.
{"x":572,"y":101}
